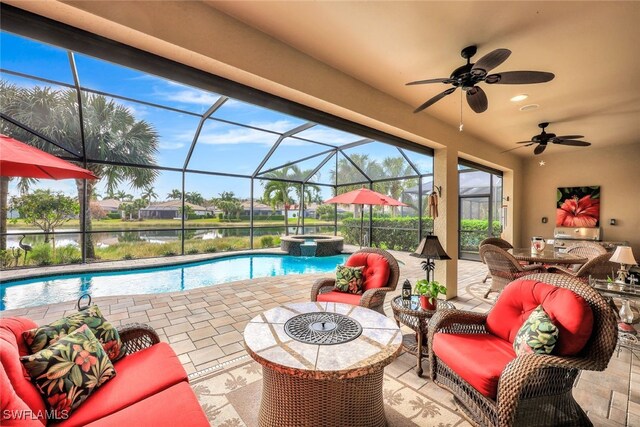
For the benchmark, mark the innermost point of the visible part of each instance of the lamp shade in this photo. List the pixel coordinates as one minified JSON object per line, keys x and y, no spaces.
{"x":430,"y":247}
{"x":623,"y":255}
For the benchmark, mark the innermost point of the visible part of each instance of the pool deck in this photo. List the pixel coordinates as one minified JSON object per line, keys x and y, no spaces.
{"x":204,"y":326}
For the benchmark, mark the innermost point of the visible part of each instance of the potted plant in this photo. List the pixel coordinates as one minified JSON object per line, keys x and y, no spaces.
{"x":429,"y":291}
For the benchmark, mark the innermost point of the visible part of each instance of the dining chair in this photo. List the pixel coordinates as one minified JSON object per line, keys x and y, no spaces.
{"x":496,"y":241}
{"x":504,"y":268}
{"x":598,"y":268}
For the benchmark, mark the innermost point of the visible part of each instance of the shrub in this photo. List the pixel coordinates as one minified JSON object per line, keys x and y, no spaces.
{"x":127,"y":257}
{"x":169,"y":253}
{"x":276,"y":241}
{"x":113,"y":215}
{"x":266,"y":242}
{"x":193,"y":251}
{"x":68,"y":255}
{"x":41,"y":254}
{"x":210,"y":249}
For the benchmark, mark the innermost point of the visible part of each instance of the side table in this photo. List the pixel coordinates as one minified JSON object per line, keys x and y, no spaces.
{"x":410,"y":313}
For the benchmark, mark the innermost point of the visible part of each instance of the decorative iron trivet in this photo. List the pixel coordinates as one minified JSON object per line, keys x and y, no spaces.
{"x":322,"y":328}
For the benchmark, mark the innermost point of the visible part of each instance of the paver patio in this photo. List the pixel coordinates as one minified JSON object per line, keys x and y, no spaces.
{"x":204,"y":326}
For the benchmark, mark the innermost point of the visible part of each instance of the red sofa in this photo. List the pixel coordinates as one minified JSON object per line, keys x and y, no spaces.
{"x":150,"y":387}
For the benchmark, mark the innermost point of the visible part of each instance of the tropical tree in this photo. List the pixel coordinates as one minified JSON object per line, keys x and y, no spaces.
{"x":148,"y":195}
{"x":46,"y":209}
{"x":175,"y":194}
{"x":123,"y":196}
{"x":131,"y":208}
{"x":111,"y":134}
{"x":194,"y":197}
{"x":311,"y":193}
{"x":228,"y":204}
{"x":278,"y":192}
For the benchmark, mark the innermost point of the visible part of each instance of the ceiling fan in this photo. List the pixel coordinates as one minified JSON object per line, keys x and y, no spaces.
{"x":545,"y":138}
{"x":470,"y":74}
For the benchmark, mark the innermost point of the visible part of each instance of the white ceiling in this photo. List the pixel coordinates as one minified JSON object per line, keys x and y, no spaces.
{"x":591,"y":47}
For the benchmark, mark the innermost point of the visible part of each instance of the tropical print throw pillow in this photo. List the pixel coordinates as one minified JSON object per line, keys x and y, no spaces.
{"x":44,"y":336}
{"x":349,"y":279}
{"x":538,"y":334}
{"x":67,"y":372}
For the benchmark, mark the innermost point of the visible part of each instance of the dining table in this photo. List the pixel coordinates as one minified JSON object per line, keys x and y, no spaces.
{"x":548,"y":256}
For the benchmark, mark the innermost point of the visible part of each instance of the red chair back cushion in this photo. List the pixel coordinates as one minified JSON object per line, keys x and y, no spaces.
{"x":12,"y":346}
{"x":567,"y":310}
{"x":376,"y":269}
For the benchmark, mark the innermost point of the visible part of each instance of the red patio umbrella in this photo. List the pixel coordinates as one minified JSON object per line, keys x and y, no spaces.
{"x":20,"y":159}
{"x":364,"y":196}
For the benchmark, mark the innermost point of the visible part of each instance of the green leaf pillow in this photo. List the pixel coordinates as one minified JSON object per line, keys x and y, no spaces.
{"x":67,"y":372}
{"x":349,"y":279}
{"x":538,"y":334}
{"x":44,"y":336}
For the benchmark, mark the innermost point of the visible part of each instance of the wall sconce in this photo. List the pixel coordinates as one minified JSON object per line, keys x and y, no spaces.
{"x":612,"y":221}
{"x":544,"y":220}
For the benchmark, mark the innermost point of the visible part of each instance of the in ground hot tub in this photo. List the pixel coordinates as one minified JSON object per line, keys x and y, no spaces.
{"x":306,"y":245}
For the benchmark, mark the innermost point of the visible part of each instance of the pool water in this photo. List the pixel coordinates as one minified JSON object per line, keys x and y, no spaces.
{"x":53,"y":289}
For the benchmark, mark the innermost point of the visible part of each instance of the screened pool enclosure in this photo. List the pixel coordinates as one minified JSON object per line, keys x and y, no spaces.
{"x":184,"y":169}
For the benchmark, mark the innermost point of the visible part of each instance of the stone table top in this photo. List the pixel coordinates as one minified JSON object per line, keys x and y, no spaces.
{"x":378,"y":345}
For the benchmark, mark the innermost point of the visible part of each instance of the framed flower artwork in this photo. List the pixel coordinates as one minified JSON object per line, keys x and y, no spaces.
{"x":578,"y":207}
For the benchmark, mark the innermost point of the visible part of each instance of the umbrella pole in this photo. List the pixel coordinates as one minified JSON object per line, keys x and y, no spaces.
{"x":361,"y":225}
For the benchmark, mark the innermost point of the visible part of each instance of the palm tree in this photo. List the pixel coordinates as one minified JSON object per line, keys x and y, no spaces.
{"x":194,"y":197}
{"x":111,"y":134}
{"x":279,"y":192}
{"x":175,"y":194}
{"x":149,"y":194}
{"x":311,"y":192}
{"x":123,"y":196}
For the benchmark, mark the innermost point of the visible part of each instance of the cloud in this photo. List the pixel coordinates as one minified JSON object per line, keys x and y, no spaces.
{"x":165,"y":145}
{"x":236,"y":135}
{"x":191,"y":96}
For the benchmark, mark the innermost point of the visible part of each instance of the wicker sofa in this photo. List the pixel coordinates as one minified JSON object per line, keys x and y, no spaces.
{"x":472,"y":354}
{"x":150,"y":388}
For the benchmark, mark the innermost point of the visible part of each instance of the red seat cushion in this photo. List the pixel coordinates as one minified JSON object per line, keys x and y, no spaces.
{"x":376,"y":269}
{"x":479,"y":359}
{"x":175,"y":406}
{"x":139,"y":376}
{"x":567,"y":310}
{"x":12,"y":346}
{"x":337,"y":296}
{"x":13,"y":408}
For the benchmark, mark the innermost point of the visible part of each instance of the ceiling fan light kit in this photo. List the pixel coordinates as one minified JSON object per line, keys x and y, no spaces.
{"x":468,"y":76}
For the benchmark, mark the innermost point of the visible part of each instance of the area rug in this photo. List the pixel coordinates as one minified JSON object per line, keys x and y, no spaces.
{"x":478,"y":289}
{"x":231,"y":398}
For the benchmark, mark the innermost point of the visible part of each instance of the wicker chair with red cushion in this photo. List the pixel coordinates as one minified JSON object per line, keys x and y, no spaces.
{"x":150,"y":387}
{"x":381,"y":273}
{"x":472,"y":354}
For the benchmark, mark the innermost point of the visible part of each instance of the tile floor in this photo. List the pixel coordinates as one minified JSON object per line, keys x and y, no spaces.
{"x":204,"y":326}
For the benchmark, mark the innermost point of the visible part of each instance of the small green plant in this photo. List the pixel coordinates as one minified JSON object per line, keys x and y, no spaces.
{"x":266,"y":241}
{"x":41,"y":254}
{"x":193,"y":251}
{"x":210,"y":250}
{"x":127,"y":257}
{"x":430,"y":289}
{"x":169,"y":253}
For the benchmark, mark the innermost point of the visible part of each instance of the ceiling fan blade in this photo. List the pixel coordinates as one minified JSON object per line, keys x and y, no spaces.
{"x":422,"y":82}
{"x":511,"y":149}
{"x":519,"y":77}
{"x":572,"y":142}
{"x":525,"y":142}
{"x":569,"y":137}
{"x":539,"y":149}
{"x":435,"y":99}
{"x":477,"y":99}
{"x":490,"y":61}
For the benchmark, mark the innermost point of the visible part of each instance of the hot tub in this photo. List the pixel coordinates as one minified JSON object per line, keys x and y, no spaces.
{"x":307,"y":245}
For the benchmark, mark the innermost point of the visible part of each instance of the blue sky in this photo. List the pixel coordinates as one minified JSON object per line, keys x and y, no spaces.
{"x":221,"y":147}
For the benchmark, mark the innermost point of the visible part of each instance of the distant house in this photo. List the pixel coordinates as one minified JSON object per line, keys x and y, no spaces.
{"x":170,"y":210}
{"x":259,"y":209}
{"x":108,"y":205}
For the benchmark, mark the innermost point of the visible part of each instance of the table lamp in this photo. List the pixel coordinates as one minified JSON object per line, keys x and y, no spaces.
{"x":431,"y":249}
{"x":623,"y":256}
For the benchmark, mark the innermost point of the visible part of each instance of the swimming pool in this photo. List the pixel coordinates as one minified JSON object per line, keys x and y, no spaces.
{"x":53,"y":289}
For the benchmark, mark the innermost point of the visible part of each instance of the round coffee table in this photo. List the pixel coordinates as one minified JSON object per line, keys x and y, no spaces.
{"x":322,"y":363}
{"x":412,"y":315}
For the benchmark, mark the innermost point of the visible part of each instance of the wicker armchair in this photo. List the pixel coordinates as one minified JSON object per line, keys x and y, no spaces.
{"x":598,"y":268}
{"x":533,"y":389}
{"x":496,"y":241}
{"x":588,"y":250}
{"x":137,"y":336}
{"x":504,"y":268}
{"x":371,"y":298}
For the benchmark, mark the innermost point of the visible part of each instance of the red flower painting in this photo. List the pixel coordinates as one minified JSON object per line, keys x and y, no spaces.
{"x":578,"y":210}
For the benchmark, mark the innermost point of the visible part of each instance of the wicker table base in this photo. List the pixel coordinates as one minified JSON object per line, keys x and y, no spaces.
{"x":410,"y":345}
{"x":296,"y":402}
